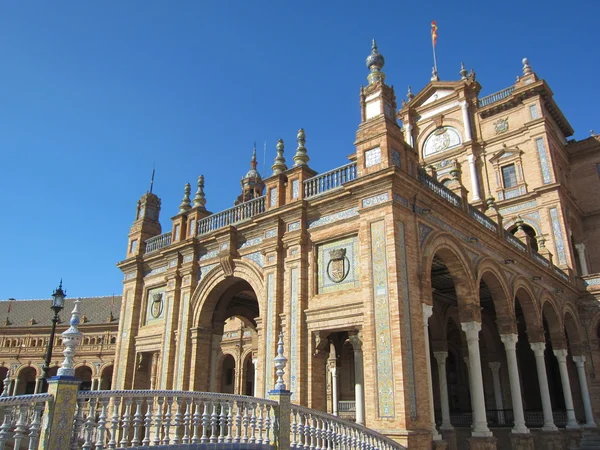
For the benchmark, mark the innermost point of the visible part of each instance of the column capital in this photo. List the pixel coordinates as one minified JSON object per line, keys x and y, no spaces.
{"x":495,"y":366}
{"x":471,"y":158}
{"x":561,"y":355}
{"x":427,"y":312}
{"x":463,"y":104}
{"x":509,"y":340}
{"x":579,"y":361}
{"x":538,"y":348}
{"x":580,"y":247}
{"x":441,"y":357}
{"x":471,"y":329}
{"x":356,"y":341}
{"x":333,"y":370}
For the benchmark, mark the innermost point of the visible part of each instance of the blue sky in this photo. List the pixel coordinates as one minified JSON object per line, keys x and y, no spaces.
{"x":93,"y":93}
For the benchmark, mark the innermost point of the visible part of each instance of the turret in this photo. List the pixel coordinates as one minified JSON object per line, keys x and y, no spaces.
{"x":252,"y":183}
{"x":146,"y":224}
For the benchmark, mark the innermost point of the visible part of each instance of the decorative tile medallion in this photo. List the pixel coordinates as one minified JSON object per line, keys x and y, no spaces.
{"x":376,"y":200}
{"x":270,"y":333}
{"x":257,"y":257}
{"x":546,"y":176}
{"x":155,"y":304}
{"x":383,"y":342}
{"x":559,"y":241}
{"x":338,"y":265}
{"x":294,"y":335}
{"x":294,"y":226}
{"x":372,"y":157}
{"x":405,"y":296}
{"x":501,"y":126}
{"x":325,"y":220}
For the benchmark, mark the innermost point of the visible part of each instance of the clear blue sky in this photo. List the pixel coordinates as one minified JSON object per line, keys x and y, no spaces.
{"x":92,"y":93}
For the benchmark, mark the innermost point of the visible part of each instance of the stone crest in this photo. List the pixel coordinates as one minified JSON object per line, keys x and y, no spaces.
{"x":338,"y":267}
{"x":157,"y":305}
{"x":501,"y":126}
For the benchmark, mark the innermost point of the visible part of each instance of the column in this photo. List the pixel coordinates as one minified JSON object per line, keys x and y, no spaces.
{"x":480,"y":428}
{"x":441,"y":363}
{"x":215,"y":348}
{"x":585,"y":393}
{"x":255,"y":364}
{"x":510,"y":342}
{"x":409,"y":137}
{"x":427,"y":313}
{"x":465,"y":114}
{"x":38,"y":385}
{"x":15,"y":386}
{"x":561,"y":355}
{"x":334,"y":389}
{"x":538,"y":349}
{"x":358,"y":379}
{"x":474,"y":178}
{"x":495,"y":367}
{"x":582,"y":261}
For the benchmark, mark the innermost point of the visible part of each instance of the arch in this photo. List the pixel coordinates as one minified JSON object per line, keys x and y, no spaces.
{"x":526,"y":221}
{"x":555,"y":325}
{"x":523,"y":293}
{"x":106,"y":376}
{"x":449,"y":122}
{"x":25,"y":367}
{"x":490,"y":272}
{"x":573,"y":331}
{"x":209,"y":290}
{"x":228,"y":368}
{"x":84,"y":373}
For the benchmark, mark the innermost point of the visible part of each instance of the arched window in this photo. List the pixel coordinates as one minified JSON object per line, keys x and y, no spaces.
{"x":530,"y":232}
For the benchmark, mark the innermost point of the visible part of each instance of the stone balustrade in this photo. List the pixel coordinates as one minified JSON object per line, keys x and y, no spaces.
{"x":21,"y":420}
{"x":329,"y":180}
{"x":496,"y":96}
{"x":157,"y":242}
{"x":232,"y":216}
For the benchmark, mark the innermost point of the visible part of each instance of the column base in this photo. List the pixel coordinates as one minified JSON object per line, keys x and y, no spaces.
{"x":482,"y":443}
{"x":590,"y":425}
{"x":549,"y":440}
{"x":449,"y":435}
{"x":521,"y":441}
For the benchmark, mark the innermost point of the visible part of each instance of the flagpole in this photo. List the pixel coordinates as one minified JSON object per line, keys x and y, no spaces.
{"x":434,"y":58}
{"x":434,"y":29}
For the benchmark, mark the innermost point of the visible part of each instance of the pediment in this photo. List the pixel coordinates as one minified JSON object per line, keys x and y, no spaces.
{"x":506,"y":153}
{"x":437,"y":95}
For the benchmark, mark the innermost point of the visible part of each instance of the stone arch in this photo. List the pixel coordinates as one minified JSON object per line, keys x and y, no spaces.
{"x":446,"y":247}
{"x":573,"y":331}
{"x":207,"y":294}
{"x":523,"y":293}
{"x":23,"y":367}
{"x":526,"y":221}
{"x":554,"y":320}
{"x":491,"y":273}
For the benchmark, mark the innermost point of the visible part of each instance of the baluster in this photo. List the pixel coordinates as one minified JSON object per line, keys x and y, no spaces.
{"x":187,"y":418}
{"x":147,"y":422}
{"x":34,"y":428}
{"x":294,"y":429}
{"x":319,"y":433}
{"x":269,"y":423}
{"x":78,"y":424}
{"x":102,"y":424}
{"x":5,"y":426}
{"x":306,"y":431}
{"x":89,"y":424}
{"x":196,"y":422}
{"x":114,"y":423}
{"x":222,"y":422}
{"x":167,"y":422}
{"x":252,"y":439}
{"x":126,"y":422}
{"x":259,"y":422}
{"x":205,"y":423}
{"x":178,"y":420}
{"x":238,"y":423}
{"x":214,"y":420}
{"x":245,"y":424}
{"x":20,"y":426}
{"x":229,"y":421}
{"x":158,"y":421}
{"x":137,"y":424}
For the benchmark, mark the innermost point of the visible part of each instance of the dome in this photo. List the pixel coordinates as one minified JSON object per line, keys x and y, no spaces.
{"x":375,"y":59}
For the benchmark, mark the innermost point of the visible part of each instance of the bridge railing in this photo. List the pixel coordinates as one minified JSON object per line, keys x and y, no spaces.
{"x":21,"y":419}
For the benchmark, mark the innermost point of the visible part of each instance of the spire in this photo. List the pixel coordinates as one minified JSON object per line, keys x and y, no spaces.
{"x":199,"y":199}
{"x":152,"y":179}
{"x":409,"y":94}
{"x":252,"y":183}
{"x":279,"y":163}
{"x":526,"y":67}
{"x":375,"y":63}
{"x":463,"y":71}
{"x":185,"y":201}
{"x":253,"y":160}
{"x":301,"y":158}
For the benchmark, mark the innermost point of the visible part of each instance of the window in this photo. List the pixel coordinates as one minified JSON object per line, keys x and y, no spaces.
{"x":509,"y":176}
{"x":133,"y":247}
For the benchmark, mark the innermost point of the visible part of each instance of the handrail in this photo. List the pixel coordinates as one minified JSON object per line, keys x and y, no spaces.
{"x":21,"y":418}
{"x":496,"y":96}
{"x":231,"y":216}
{"x":330,"y":180}
{"x":483,"y":219}
{"x":437,"y":187}
{"x":157,"y":242}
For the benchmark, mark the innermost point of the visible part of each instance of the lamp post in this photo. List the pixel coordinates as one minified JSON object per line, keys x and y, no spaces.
{"x":58,"y":303}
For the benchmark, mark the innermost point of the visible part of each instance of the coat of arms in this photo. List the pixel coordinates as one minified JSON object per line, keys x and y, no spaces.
{"x":156,"y":308}
{"x":501,"y":126}
{"x":338,"y":267}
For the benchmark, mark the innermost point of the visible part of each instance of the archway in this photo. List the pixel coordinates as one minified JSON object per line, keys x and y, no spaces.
{"x":26,"y":381}
{"x":106,"y":378}
{"x":530,"y":232}
{"x":248,"y":379}
{"x":84,"y":373}
{"x":228,"y":375}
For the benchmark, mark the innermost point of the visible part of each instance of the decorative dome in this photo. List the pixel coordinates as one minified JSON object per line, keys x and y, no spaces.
{"x":253,"y":173}
{"x":375,"y":59}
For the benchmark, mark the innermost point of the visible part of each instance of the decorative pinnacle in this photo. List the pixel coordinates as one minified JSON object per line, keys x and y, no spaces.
{"x":185,"y":201}
{"x":409,"y":94}
{"x":301,"y":157}
{"x":280,"y":363}
{"x":199,"y":199}
{"x":253,"y":162}
{"x":71,"y":339}
{"x":279,"y":163}
{"x":375,"y":63}
{"x":463,"y":71}
{"x":519,"y":222}
{"x":526,"y":67}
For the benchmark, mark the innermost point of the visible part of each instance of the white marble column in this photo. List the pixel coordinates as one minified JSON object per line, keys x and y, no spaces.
{"x":409,"y":136}
{"x":585,"y":393}
{"x":38,"y":385}
{"x":582,"y":261}
{"x":467,"y":122}
{"x":538,"y":350}
{"x":445,"y":404}
{"x":15,"y":386}
{"x":495,"y":368}
{"x":561,"y":356}
{"x":474,"y":177}
{"x":510,"y":342}
{"x":255,"y":383}
{"x":427,"y":313}
{"x":359,"y":382}
{"x":334,"y":389}
{"x":480,"y":428}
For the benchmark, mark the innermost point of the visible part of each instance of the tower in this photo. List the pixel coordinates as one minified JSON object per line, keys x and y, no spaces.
{"x":146,"y":224}
{"x":252,"y":183}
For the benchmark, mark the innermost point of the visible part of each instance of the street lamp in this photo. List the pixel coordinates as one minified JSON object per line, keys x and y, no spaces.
{"x":58,"y":303}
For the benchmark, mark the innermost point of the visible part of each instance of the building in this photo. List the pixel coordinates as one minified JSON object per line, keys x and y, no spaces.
{"x":461,"y":238}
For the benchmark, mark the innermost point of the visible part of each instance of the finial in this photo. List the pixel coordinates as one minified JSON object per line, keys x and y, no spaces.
{"x":375,"y":63}
{"x":519,"y":222}
{"x":280,"y":363}
{"x":434,"y":75}
{"x":463,"y":71}
{"x":199,"y":199}
{"x":6,"y":390}
{"x":71,"y":339}
{"x":301,"y":157}
{"x":152,"y":179}
{"x":592,"y":133}
{"x":409,"y":94}
{"x":185,"y":201}
{"x":253,"y":160}
{"x":526,"y":67}
{"x":279,"y":163}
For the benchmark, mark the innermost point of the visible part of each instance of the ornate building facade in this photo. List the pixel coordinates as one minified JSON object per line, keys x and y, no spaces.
{"x":441,"y":286}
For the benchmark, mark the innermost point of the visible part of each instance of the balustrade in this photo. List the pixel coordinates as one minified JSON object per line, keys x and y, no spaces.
{"x":157,"y":242}
{"x":437,"y":187}
{"x":21,"y":420}
{"x":514,"y":241}
{"x":231,"y":216}
{"x":329,"y":180}
{"x":483,"y":219}
{"x":496,"y":96}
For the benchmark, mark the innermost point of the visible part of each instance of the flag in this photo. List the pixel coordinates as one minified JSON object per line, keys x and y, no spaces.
{"x":433,"y":32}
